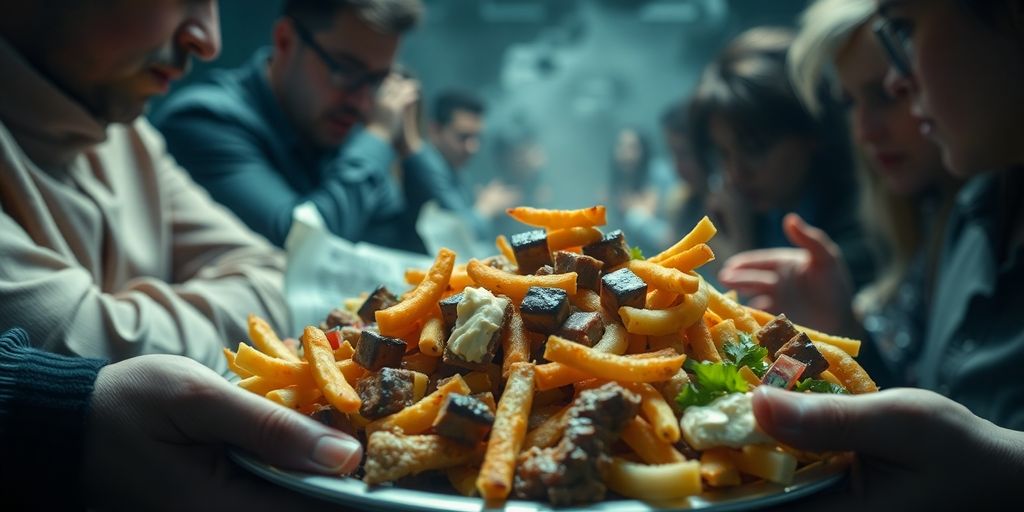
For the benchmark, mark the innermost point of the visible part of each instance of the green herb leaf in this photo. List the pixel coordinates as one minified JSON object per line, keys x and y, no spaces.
{"x":635,"y":253}
{"x":710,"y":381}
{"x":744,"y":352}
{"x":820,"y":386}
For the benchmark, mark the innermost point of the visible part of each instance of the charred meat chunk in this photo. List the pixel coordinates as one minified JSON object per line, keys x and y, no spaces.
{"x":450,"y":309}
{"x":773,"y":335}
{"x":374,"y":351}
{"x":385,"y":392}
{"x":477,"y":332}
{"x":570,"y":472}
{"x":622,"y":288}
{"x":588,"y":269}
{"x":381,"y":298}
{"x":544,"y":309}
{"x":583,"y":327}
{"x":801,"y":349}
{"x":546,"y":270}
{"x":464,"y":418}
{"x":341,"y":317}
{"x":611,"y":250}
{"x":531,"y":250}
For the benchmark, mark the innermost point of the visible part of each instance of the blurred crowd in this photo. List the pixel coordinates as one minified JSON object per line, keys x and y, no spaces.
{"x":862,"y":168}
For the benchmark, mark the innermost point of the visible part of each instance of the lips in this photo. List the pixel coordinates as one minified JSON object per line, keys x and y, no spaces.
{"x":889,"y":160}
{"x":163,"y":77}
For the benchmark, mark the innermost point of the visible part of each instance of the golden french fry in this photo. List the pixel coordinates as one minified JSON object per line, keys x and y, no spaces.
{"x":294,"y":397}
{"x":717,"y":468}
{"x":611,"y":366}
{"x":266,"y":340}
{"x":845,"y":368}
{"x":274,"y":369}
{"x":420,"y":416}
{"x":572,"y":237}
{"x":700,"y":234}
{"x":505,"y":249}
{"x":432,"y":337}
{"x":660,"y":299}
{"x":514,"y":344}
{"x":657,"y":411}
{"x":258,"y":385}
{"x":724,"y":331}
{"x":659,"y":322}
{"x":690,"y":259}
{"x":404,"y":317}
{"x":663,"y":278}
{"x":324,"y":369}
{"x":640,"y":436}
{"x":728,"y":308}
{"x":515,"y":286}
{"x":233,"y":366}
{"x":498,"y":469}
{"x":548,"y":432}
{"x":702,"y":346}
{"x":344,"y":351}
{"x":654,"y":483}
{"x":559,"y":219}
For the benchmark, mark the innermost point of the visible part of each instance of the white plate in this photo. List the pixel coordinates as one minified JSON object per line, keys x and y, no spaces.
{"x":354,"y":493}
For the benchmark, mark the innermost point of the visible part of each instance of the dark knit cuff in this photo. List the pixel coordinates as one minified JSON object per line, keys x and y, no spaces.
{"x":44,"y":399}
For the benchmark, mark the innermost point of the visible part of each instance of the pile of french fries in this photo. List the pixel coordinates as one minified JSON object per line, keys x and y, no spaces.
{"x":643,"y":349}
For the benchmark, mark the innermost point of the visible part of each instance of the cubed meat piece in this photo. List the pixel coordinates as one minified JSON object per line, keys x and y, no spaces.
{"x":374,"y":351}
{"x":622,"y":288}
{"x":611,"y":250}
{"x":773,"y":335}
{"x":464,"y":419}
{"x":801,"y":349}
{"x":385,"y":392}
{"x":531,"y":250}
{"x":499,"y":262}
{"x":583,"y":327}
{"x":588,"y":270}
{"x":477,"y":332}
{"x":381,"y":298}
{"x":546,"y":270}
{"x":450,"y":309}
{"x":341,"y":317}
{"x":544,"y":309}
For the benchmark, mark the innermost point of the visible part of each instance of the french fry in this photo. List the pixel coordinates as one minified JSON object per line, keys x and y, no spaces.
{"x":478,"y":382}
{"x":637,"y":343}
{"x":559,"y":219}
{"x":702,"y":346}
{"x":419,"y":417}
{"x":728,"y":308}
{"x":660,"y":299}
{"x":845,"y":368}
{"x":419,"y":362}
{"x":562,"y":239}
{"x":403,"y":317}
{"x":548,"y":432}
{"x":611,"y":366}
{"x":274,"y":369}
{"x":724,"y":331}
{"x":498,"y":469}
{"x":351,"y":371}
{"x":674,"y":341}
{"x":463,"y":479}
{"x":690,"y":259}
{"x":432,"y":337}
{"x":391,"y":456}
{"x":258,"y":385}
{"x":514,"y":344}
{"x":266,"y":340}
{"x":659,"y":322}
{"x":419,"y":386}
{"x":556,"y":375}
{"x":515,"y":286}
{"x":654,"y":483}
{"x":640,"y":436}
{"x":294,"y":397}
{"x":656,"y":411}
{"x":505,"y":249}
{"x":663,"y":278}
{"x":344,"y":351}
{"x":338,"y":392}
{"x":717,"y":468}
{"x":749,"y":376}
{"x":765,"y":462}
{"x":230,"y":357}
{"x":700,"y":234}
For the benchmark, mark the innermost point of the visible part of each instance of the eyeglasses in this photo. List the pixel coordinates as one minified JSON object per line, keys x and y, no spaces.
{"x":348,"y":76}
{"x":896,"y":40}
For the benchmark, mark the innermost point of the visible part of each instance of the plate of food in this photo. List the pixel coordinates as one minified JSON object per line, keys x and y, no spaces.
{"x":568,"y":372}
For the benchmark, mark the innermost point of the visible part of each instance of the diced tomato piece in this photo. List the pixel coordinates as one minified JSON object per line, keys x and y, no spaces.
{"x":334,"y":337}
{"x":784,"y":373}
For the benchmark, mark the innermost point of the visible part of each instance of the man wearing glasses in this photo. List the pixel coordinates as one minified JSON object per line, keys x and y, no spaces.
{"x":279,"y":131}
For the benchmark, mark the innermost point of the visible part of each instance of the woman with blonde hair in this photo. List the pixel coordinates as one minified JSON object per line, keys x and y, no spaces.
{"x":904,"y":201}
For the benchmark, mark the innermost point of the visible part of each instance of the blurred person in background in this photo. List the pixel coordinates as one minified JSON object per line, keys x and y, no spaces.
{"x":317,"y":117}
{"x":961,"y":63}
{"x":776,"y":157}
{"x":905,"y":198}
{"x":108,"y":248}
{"x":632,"y":190}
{"x":521,"y":161}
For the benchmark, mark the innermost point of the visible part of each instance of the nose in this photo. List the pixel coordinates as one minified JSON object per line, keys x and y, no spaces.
{"x":200,"y":32}
{"x":897,"y":84}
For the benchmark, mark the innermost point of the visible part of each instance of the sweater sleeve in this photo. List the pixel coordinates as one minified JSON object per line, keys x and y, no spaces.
{"x":44,"y":398}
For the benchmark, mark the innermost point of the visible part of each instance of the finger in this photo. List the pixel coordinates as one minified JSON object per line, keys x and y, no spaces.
{"x":764,"y":303}
{"x":749,"y":281}
{"x":816,"y":241}
{"x":279,"y":436}
{"x":897,"y":425}
{"x":763,"y":259}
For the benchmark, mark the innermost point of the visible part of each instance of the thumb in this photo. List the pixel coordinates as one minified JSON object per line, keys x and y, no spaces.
{"x":897,"y":425}
{"x":278,"y":435}
{"x":808,"y":237}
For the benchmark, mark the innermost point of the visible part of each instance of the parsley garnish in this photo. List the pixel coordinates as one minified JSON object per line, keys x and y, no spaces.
{"x":635,"y":253}
{"x":744,"y":352}
{"x":820,"y":386}
{"x":713,"y":380}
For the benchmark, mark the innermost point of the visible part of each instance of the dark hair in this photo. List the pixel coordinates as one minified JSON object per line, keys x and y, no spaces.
{"x":452,"y":100}
{"x":675,"y":118}
{"x":387,"y":16}
{"x":638,"y":179}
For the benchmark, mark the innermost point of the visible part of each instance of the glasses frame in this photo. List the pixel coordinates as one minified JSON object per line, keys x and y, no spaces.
{"x":896,"y":46}
{"x":343,"y":76}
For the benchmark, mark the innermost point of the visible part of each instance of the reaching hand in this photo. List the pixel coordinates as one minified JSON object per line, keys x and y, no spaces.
{"x":495,"y":197}
{"x":395,"y":95}
{"x":810,"y":283}
{"x":158,"y":430}
{"x":918,"y":450}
